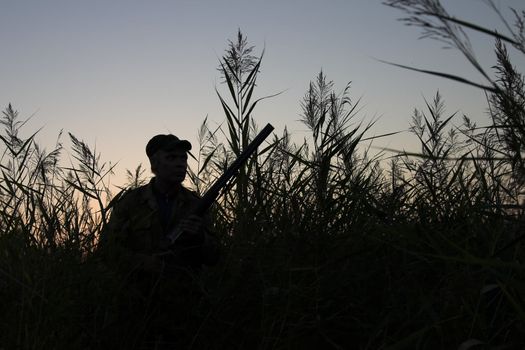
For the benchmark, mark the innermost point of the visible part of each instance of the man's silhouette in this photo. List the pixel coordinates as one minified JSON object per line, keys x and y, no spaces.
{"x":134,"y":240}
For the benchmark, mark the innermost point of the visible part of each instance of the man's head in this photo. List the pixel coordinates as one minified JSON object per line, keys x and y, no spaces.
{"x":168,"y":157}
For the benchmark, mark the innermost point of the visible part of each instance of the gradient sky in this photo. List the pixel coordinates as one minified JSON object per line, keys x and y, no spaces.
{"x":117,"y":72}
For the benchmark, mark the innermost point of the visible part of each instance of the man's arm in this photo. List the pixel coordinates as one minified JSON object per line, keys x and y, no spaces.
{"x":114,"y":243}
{"x":197,"y":231}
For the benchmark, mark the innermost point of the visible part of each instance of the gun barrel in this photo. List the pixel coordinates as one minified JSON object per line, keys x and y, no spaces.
{"x":211,"y":195}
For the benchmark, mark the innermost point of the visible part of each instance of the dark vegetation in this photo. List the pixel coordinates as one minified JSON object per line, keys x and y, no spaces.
{"x":325,"y":245}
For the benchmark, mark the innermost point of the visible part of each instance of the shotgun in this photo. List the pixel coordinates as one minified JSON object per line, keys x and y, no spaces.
{"x":213,"y":192}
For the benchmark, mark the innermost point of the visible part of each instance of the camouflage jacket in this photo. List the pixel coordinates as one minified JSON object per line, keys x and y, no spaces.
{"x":135,"y":231}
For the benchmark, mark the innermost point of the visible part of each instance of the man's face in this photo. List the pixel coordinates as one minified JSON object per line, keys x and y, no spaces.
{"x":170,"y":166}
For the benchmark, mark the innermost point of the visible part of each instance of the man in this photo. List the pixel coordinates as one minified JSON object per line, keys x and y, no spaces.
{"x":135,"y":236}
{"x":161,"y":276}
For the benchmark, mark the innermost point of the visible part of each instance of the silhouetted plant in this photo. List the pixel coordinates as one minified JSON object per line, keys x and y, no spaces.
{"x":239,"y":69}
{"x":48,"y":229}
{"x":507,"y":109}
{"x":506,"y":91}
{"x":488,"y":181}
{"x":135,"y":178}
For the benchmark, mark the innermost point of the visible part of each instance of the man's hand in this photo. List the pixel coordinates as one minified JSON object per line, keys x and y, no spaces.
{"x":150,"y":263}
{"x":192,"y":228}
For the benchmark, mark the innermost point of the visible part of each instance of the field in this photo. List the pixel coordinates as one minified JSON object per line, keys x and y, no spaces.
{"x":324,"y":244}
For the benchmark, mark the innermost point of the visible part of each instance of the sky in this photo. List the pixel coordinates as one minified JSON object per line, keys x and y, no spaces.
{"x":116,"y":72}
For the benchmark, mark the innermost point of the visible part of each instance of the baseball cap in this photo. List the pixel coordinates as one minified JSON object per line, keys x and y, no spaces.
{"x":166,"y":142}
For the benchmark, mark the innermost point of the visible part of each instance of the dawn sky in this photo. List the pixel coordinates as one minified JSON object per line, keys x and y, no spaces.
{"x":115,"y":73}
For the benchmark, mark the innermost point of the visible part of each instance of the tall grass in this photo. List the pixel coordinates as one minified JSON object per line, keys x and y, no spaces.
{"x":323,"y":246}
{"x":51,"y":215}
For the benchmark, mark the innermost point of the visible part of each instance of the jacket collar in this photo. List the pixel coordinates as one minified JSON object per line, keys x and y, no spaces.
{"x":148,"y":195}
